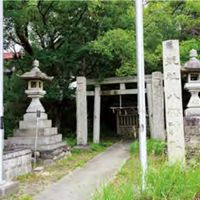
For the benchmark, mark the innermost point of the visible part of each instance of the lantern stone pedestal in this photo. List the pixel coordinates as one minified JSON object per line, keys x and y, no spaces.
{"x":192,"y":135}
{"x":35,"y":130}
{"x":192,"y":113}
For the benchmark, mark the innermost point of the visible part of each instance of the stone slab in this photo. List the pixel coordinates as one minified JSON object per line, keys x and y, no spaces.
{"x":47,"y":147}
{"x":51,"y":147}
{"x":42,"y":140}
{"x":16,"y":163}
{"x":16,"y":153}
{"x":42,"y":123}
{"x":82,"y":147}
{"x":32,"y":132}
{"x":8,"y":187}
{"x":173,"y":102}
{"x":33,"y":116}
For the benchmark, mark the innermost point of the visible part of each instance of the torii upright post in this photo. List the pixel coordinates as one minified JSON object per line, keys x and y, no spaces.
{"x":141,"y":88}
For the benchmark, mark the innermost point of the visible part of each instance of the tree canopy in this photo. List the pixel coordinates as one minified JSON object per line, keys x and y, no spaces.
{"x":91,"y":38}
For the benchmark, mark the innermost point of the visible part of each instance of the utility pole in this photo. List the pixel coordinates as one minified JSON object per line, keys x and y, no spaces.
{"x":6,"y":187}
{"x":141,"y":88}
{"x":1,"y":93}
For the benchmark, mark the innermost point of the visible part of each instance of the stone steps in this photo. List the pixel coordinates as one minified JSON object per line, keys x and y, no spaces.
{"x":42,"y":140}
{"x":50,"y":147}
{"x":32,"y":132}
{"x":44,"y":147}
{"x":42,"y":123}
{"x":33,"y":116}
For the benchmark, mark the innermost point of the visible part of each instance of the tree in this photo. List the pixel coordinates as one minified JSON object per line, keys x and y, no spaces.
{"x":59,"y":35}
{"x":93,"y":38}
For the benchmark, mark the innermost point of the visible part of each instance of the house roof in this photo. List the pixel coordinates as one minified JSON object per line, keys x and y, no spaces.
{"x":10,"y":55}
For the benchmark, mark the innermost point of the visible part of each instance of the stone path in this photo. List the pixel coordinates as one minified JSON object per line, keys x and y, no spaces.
{"x":83,"y":182}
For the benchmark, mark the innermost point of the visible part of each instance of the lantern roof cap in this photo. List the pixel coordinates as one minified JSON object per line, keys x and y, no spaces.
{"x":35,"y":73}
{"x":193,"y":64}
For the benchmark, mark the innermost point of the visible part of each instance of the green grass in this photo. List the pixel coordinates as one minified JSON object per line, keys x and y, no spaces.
{"x":154,"y":147}
{"x":122,"y":187}
{"x":164,"y":182}
{"x":172,"y":182}
{"x":25,"y":197}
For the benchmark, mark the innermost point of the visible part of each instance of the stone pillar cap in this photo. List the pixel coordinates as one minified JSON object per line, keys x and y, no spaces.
{"x":193,"y":65}
{"x":193,"y":53}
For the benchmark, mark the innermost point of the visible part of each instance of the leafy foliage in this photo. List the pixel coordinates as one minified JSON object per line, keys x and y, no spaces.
{"x":91,"y":38}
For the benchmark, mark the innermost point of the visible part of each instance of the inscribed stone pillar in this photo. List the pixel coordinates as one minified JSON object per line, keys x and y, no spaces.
{"x":158,"y":127}
{"x":81,"y":111}
{"x":97,"y":110}
{"x":150,"y":105}
{"x":173,"y":101}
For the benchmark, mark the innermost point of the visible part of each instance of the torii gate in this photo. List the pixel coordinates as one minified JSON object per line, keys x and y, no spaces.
{"x":155,"y":99}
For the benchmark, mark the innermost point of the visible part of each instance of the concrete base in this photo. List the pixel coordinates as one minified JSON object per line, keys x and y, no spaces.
{"x":8,"y":187}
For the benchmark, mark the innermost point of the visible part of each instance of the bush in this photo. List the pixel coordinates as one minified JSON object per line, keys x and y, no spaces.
{"x":154,"y":147}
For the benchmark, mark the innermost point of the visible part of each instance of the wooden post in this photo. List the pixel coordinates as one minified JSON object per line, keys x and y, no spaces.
{"x":173,"y":102}
{"x":81,"y":111}
{"x":97,"y":110}
{"x":158,"y":131}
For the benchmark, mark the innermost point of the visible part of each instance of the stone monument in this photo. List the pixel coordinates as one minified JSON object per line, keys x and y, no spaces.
{"x":173,"y":102}
{"x":35,"y":130}
{"x":192,"y":113}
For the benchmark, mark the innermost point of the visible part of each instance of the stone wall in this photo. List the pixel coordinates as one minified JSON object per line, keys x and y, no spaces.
{"x":16,"y":162}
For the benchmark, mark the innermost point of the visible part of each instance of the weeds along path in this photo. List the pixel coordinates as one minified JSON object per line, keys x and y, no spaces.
{"x":83,"y":182}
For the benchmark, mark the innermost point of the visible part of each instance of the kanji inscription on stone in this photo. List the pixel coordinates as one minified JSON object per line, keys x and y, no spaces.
{"x":173,"y":101}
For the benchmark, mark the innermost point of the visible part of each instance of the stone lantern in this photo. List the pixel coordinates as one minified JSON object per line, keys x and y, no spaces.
{"x":192,"y":112}
{"x":192,"y":68}
{"x":35,"y":79}
{"x":36,"y":128}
